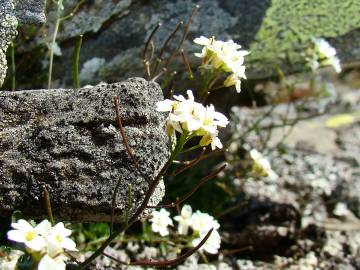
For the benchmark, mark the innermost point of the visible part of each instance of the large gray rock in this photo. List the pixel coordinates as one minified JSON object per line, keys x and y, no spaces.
{"x":277,"y":32}
{"x":67,"y":141}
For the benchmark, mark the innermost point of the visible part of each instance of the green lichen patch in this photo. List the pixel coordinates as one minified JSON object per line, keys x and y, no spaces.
{"x":288,"y":26}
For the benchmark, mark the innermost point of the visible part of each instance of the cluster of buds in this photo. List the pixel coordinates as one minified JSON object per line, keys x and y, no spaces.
{"x":223,"y":57}
{"x":198,"y":223}
{"x":45,"y":243}
{"x":323,"y":54}
{"x":194,"y":119}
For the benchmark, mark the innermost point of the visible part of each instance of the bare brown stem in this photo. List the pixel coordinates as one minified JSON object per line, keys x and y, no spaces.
{"x":48,"y":205}
{"x":165,"y":45}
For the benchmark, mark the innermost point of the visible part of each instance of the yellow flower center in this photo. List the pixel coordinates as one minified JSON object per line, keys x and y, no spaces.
{"x":58,"y":238}
{"x":30,"y":235}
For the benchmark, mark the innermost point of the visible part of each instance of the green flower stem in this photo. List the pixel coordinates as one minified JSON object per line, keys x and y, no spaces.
{"x":192,"y":148}
{"x":76,"y":59}
{"x":56,"y":31}
{"x":13,"y":67}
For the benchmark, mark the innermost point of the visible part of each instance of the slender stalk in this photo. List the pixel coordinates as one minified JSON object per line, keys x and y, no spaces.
{"x":48,"y":205}
{"x":187,"y":65}
{"x":76,"y":59}
{"x":165,"y":45}
{"x":113,"y":204}
{"x":13,"y":66}
{"x":53,"y":42}
{"x":128,"y":205}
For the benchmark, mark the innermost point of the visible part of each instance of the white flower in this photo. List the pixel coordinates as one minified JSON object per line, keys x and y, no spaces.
{"x":233,"y":80}
{"x":262,"y":166}
{"x":187,"y":115}
{"x":9,"y":261}
{"x":58,"y":239}
{"x":341,"y":210}
{"x":212,"y":139}
{"x":212,"y":245}
{"x":324,"y":55}
{"x":184,"y":219}
{"x":203,"y":223}
{"x":223,"y":56}
{"x":33,"y":238}
{"x":160,"y":221}
{"x":48,"y":263}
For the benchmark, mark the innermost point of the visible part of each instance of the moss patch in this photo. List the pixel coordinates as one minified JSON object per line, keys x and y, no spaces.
{"x":288,"y":26}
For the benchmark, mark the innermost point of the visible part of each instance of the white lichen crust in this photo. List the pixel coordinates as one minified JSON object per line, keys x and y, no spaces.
{"x":8,"y":25}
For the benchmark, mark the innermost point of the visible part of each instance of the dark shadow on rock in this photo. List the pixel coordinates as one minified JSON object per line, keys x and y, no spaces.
{"x":248,"y":25}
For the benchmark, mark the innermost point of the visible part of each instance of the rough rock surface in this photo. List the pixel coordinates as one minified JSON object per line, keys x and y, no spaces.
{"x":30,"y":11}
{"x":276,"y":32}
{"x":67,"y":141}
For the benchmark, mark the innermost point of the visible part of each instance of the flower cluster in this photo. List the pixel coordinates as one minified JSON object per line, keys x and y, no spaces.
{"x":199,"y":223}
{"x":324,"y":54}
{"x":8,"y":261}
{"x":45,"y":243}
{"x":193,"y":118}
{"x":223,"y":56}
{"x":261,"y":166}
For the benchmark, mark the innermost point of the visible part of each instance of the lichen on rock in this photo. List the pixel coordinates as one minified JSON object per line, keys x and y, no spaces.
{"x":8,"y":25}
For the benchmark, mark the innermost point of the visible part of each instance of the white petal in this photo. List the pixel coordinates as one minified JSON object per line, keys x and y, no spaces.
{"x":69,"y":244}
{"x":36,"y":244}
{"x":43,"y":228}
{"x":165,"y":105}
{"x":48,"y":263}
{"x":186,"y":211}
{"x":22,"y":225}
{"x":17,"y":236}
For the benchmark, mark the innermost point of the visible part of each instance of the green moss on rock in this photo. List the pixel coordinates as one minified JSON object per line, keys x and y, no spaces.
{"x":288,"y":26}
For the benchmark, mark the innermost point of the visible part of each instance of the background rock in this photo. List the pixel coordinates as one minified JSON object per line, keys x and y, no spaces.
{"x":30,"y":11}
{"x":276,"y":32}
{"x":67,"y":141}
{"x":22,"y":11}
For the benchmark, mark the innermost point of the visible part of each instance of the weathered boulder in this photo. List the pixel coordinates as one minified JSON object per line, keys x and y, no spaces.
{"x":67,"y":140}
{"x":277,"y":32}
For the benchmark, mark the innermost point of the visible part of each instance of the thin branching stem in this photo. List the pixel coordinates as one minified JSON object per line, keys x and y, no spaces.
{"x":189,"y":164}
{"x":165,"y":45}
{"x":187,"y":65}
{"x":125,"y":140}
{"x":185,"y":32}
{"x":149,"y":40}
